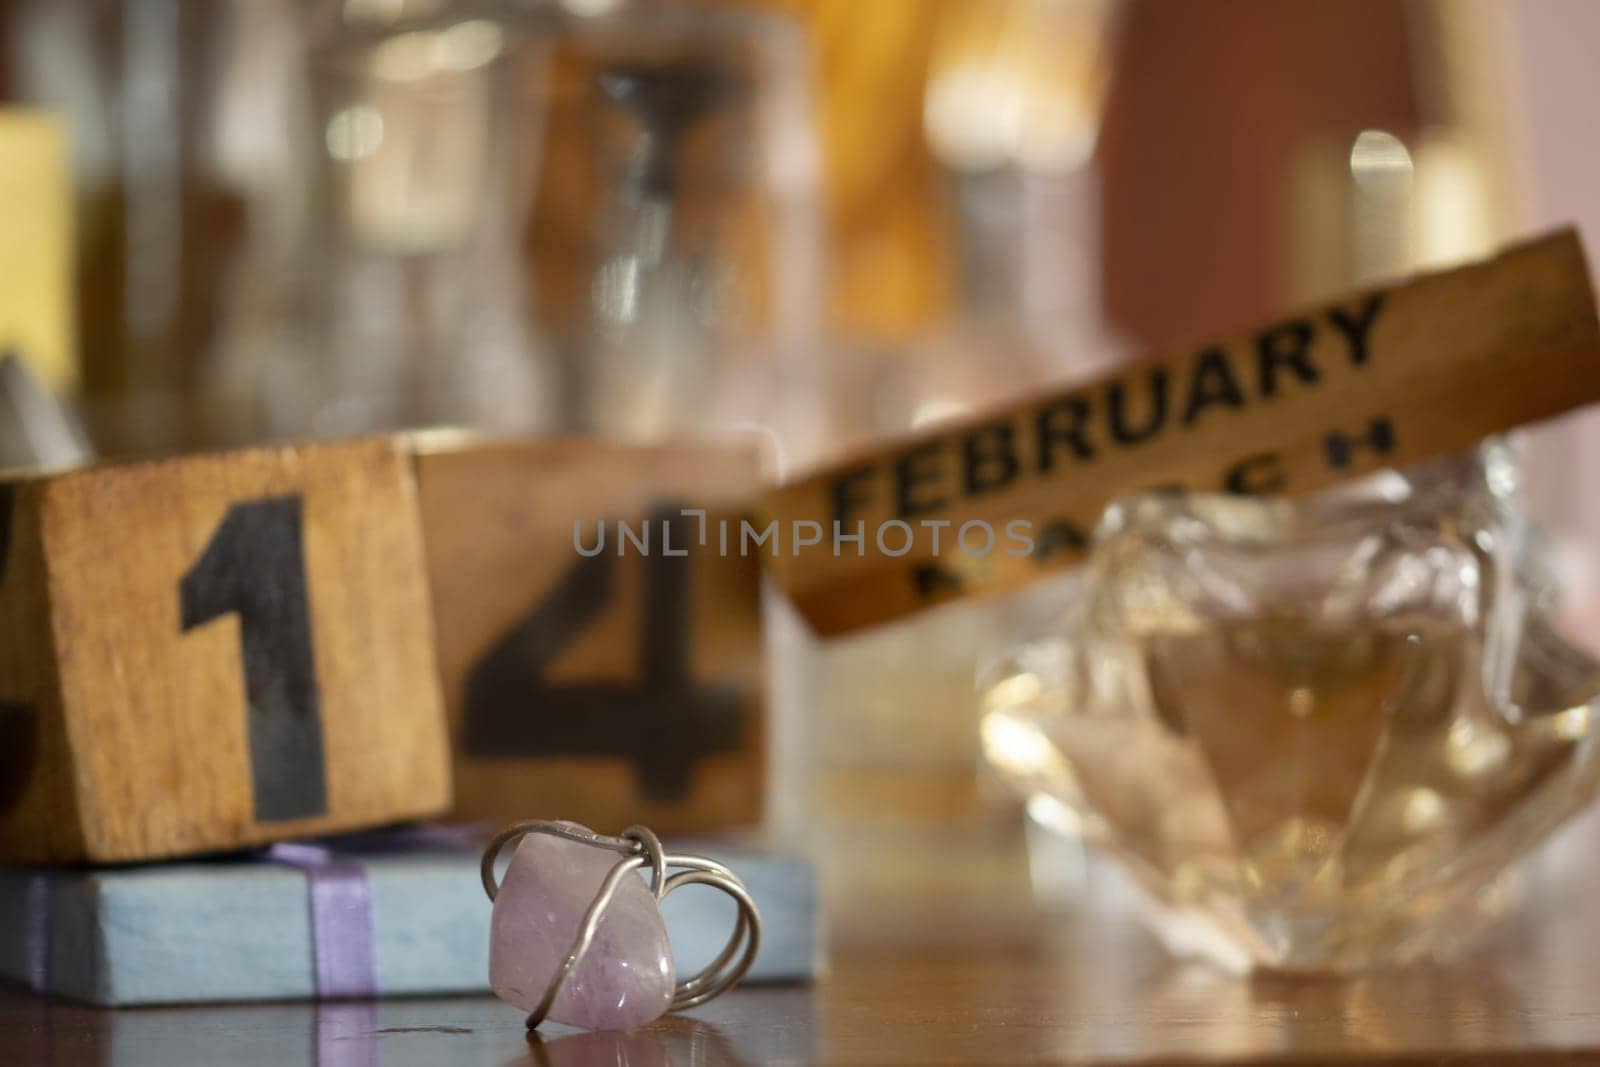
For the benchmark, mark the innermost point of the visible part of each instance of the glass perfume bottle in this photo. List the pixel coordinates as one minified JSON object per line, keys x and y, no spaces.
{"x":1317,"y":732}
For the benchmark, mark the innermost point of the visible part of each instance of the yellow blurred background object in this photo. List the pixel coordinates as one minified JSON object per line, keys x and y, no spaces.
{"x":900,"y":83}
{"x":36,"y":245}
{"x":891,"y":262}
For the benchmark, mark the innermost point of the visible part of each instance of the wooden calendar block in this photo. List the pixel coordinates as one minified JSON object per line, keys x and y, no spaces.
{"x":209,"y":652}
{"x":610,"y":688}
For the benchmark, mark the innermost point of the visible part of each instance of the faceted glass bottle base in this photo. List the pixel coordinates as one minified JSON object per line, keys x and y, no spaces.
{"x":1317,"y":734}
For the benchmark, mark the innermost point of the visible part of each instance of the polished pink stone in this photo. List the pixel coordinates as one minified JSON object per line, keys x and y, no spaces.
{"x":627,"y":976}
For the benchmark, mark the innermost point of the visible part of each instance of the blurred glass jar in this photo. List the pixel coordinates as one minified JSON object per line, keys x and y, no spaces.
{"x":1317,"y":732}
{"x":1014,"y":103}
{"x":676,"y":238}
{"x":413,"y":303}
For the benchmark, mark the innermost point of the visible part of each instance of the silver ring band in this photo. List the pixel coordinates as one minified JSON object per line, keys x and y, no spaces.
{"x":639,"y":848}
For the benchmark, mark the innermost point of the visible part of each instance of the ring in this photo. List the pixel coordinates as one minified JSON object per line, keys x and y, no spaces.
{"x":628,"y":983}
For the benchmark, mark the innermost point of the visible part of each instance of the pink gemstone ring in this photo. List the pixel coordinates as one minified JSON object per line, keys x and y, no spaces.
{"x":576,"y":939}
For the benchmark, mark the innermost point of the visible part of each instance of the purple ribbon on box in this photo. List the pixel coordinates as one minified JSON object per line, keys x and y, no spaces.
{"x":36,"y":930}
{"x":343,"y":946}
{"x":343,"y":942}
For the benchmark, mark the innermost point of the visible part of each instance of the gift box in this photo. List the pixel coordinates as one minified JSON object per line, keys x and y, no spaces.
{"x":329,"y":920}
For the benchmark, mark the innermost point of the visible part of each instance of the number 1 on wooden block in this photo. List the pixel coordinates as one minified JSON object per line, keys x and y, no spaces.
{"x":254,"y":567}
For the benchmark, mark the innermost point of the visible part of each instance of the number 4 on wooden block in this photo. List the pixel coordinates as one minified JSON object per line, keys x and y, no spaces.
{"x":609,"y":688}
{"x":216,"y":651}
{"x":662,"y":721}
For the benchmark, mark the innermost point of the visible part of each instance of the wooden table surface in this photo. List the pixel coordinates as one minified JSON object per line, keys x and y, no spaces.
{"x":949,"y":957}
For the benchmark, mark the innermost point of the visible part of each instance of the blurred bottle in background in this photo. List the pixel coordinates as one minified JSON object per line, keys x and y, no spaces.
{"x":674,"y":244}
{"x":411,"y":305}
{"x":182,"y":128}
{"x":1015,"y":97}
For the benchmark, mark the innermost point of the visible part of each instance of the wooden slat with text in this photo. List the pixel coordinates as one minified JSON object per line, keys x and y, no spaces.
{"x":1381,"y":378}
